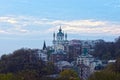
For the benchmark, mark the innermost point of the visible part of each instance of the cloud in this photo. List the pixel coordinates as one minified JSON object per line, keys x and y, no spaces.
{"x":34,"y":25}
{"x":89,"y":27}
{"x":2,"y":31}
{"x":8,"y":20}
{"x":20,"y":24}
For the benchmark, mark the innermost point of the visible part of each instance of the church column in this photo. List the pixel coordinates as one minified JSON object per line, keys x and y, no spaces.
{"x":54,"y":36}
{"x":54,"y":42}
{"x":66,"y":36}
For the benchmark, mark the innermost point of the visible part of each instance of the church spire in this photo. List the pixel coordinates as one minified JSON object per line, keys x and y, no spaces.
{"x":60,"y":30}
{"x":44,"y":46}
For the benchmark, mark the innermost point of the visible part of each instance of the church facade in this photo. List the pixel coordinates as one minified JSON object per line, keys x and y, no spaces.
{"x":60,"y":46}
{"x":60,"y":41}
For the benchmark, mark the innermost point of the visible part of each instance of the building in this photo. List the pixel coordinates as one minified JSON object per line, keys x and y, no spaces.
{"x":60,"y":44}
{"x":83,"y":71}
{"x":74,"y":50}
{"x":60,"y":41}
{"x":62,"y":65}
{"x":42,"y":55}
{"x":87,"y":59}
{"x":58,"y":56}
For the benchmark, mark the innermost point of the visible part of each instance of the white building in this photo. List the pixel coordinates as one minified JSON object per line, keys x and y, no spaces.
{"x":63,"y":65}
{"x":42,"y":56}
{"x":60,"y":41}
{"x":87,"y":59}
{"x":111,"y":61}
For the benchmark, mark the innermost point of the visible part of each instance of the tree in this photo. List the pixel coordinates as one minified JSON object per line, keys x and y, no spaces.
{"x":104,"y":75}
{"x":8,"y":76}
{"x":68,"y":75}
{"x":19,"y":60}
{"x":28,"y":75}
{"x":105,"y":50}
{"x":111,"y":72}
{"x":50,"y":68}
{"x":25,"y":64}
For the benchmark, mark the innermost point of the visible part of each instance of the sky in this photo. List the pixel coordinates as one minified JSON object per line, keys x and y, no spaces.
{"x":27,"y":23}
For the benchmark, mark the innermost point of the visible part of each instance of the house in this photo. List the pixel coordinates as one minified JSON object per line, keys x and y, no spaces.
{"x":42,"y":55}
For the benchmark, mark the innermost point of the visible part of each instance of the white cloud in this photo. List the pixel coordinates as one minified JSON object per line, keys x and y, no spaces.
{"x":33,"y":25}
{"x":2,"y":31}
{"x":8,"y":20}
{"x":89,"y":27}
{"x":79,"y":22}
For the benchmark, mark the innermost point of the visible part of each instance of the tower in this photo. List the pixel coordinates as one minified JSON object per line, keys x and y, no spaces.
{"x":44,"y":46}
{"x":60,"y":35}
{"x":66,"y":36}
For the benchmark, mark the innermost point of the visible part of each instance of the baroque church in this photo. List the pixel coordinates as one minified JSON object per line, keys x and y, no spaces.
{"x":60,"y":46}
{"x":60,"y":41}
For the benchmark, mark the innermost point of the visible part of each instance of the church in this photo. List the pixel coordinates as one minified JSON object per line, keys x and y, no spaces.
{"x":60,"y":41}
{"x":60,"y":46}
{"x":73,"y":54}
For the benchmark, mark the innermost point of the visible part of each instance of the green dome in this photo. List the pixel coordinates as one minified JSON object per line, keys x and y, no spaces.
{"x":60,"y":33}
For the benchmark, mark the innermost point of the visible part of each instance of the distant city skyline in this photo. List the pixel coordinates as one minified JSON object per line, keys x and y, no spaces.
{"x":27,"y":23}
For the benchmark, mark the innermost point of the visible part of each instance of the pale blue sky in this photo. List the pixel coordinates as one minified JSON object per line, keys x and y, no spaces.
{"x":27,"y":23}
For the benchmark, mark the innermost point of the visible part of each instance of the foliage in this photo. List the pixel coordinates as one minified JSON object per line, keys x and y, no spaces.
{"x":114,"y":67}
{"x":24,"y":64}
{"x":68,"y":75}
{"x":21,"y":60}
{"x":107,"y":50}
{"x":9,"y":76}
{"x":50,"y":68}
{"x":28,"y":75}
{"x":104,"y":75}
{"x":111,"y":72}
